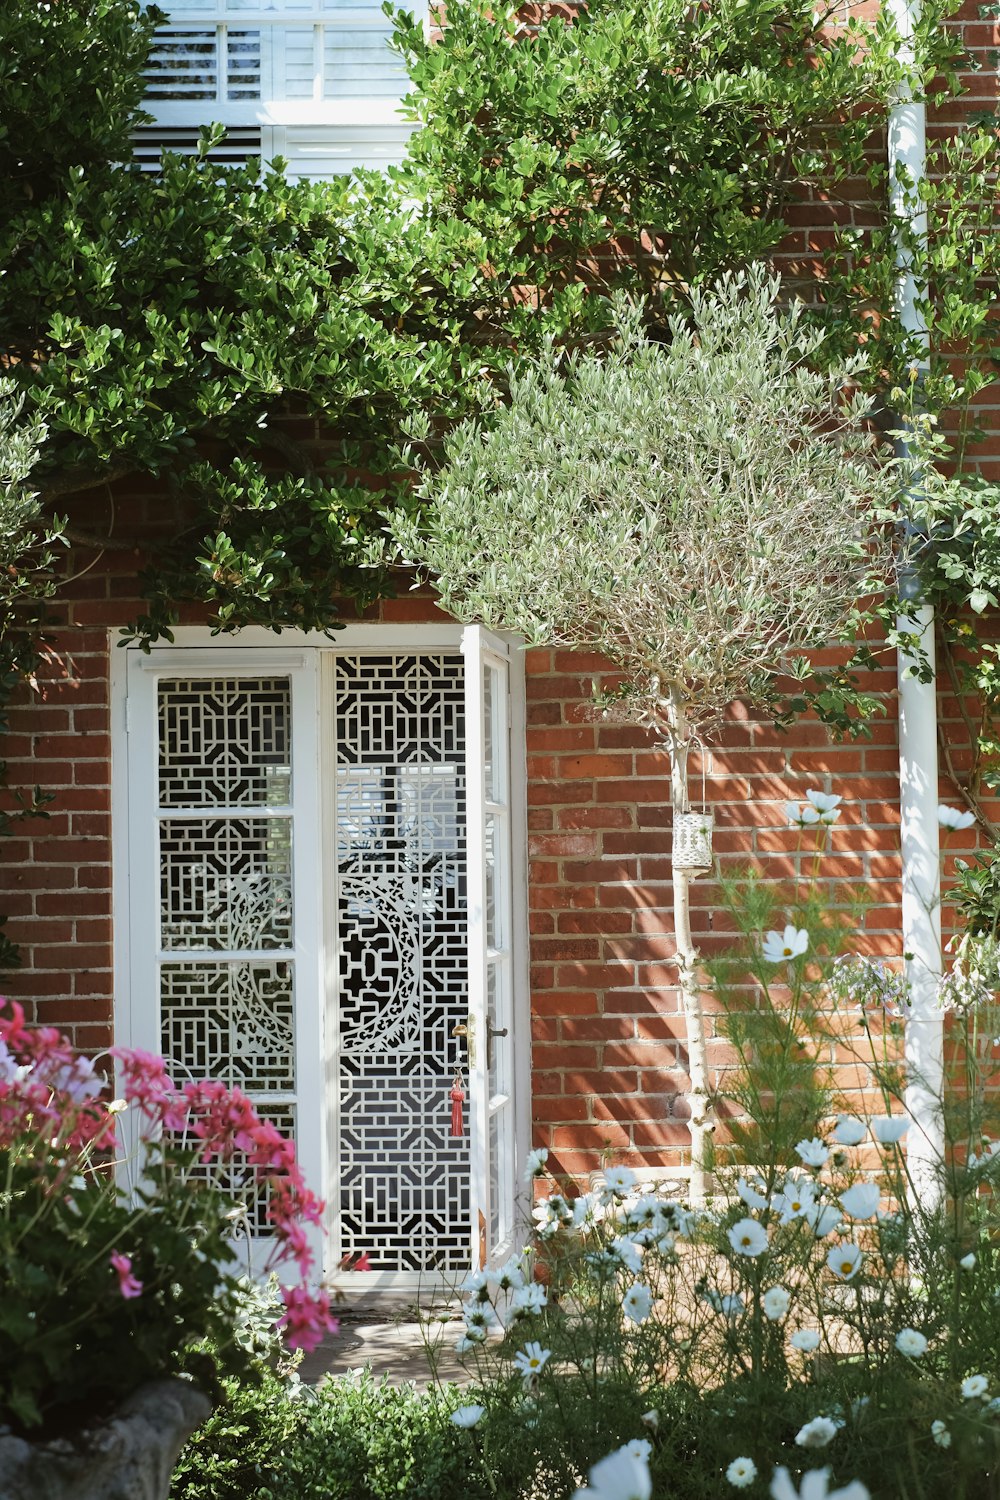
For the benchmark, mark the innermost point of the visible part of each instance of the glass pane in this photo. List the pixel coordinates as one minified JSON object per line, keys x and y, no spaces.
{"x":225,"y":742}
{"x":230,"y":1021}
{"x":489,"y":735}
{"x":491,"y":886}
{"x":243,"y":65}
{"x":495,"y":1185}
{"x":183,"y":65}
{"x":226,"y":883}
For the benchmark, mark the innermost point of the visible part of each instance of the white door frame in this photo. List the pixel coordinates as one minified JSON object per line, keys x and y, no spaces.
{"x":196,"y":650}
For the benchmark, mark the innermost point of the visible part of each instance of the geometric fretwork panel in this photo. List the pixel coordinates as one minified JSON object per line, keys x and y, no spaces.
{"x":225,"y":742}
{"x":226,"y":882}
{"x":403,"y":959}
{"x":231,"y":1021}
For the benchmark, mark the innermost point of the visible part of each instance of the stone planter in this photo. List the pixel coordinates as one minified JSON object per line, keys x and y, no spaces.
{"x":128,"y":1457}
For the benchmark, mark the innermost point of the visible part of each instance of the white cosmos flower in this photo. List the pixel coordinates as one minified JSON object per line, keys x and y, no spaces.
{"x":509,"y":1276}
{"x":940,"y":1434}
{"x":795,"y":1199}
{"x":862,"y":1200}
{"x":619,"y":1180}
{"x":967,"y":1262}
{"x":813,"y":1153}
{"x":779,"y":946}
{"x":637,"y":1302}
{"x":470,"y":1339}
{"x":481,"y":1315}
{"x":628,"y":1252}
{"x":651,"y":1419}
{"x":529,"y":1299}
{"x":888,"y":1129}
{"x":806,"y":1340}
{"x":825,"y":803}
{"x":911,"y":1343}
{"x":474,"y":1282}
{"x":823,"y":1218}
{"x":747,"y":1237}
{"x":953,"y":818}
{"x":817,"y":1433}
{"x":640,"y":1448}
{"x":741,"y":1473}
{"x":802,"y":817}
{"x":751,"y":1197}
{"x":815,"y":1486}
{"x":849,"y":1131}
{"x":845,"y":1260}
{"x":776,"y":1302}
{"x":730,"y":1304}
{"x":467,"y":1416}
{"x":530,"y":1361}
{"x":534,"y":1162}
{"x":973,"y":1386}
{"x":620,"y":1476}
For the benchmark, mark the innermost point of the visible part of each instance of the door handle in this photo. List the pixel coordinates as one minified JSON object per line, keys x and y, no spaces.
{"x":491,"y":1032}
{"x":469,"y":1032}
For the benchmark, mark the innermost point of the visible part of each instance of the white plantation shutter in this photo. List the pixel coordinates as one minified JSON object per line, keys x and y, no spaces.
{"x":315,"y":79}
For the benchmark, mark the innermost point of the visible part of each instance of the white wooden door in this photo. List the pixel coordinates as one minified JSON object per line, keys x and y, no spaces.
{"x":490,"y":1025}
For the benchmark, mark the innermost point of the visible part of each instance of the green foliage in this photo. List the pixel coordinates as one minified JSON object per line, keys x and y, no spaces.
{"x":166,"y":329}
{"x":70,"y":92}
{"x":647,"y":147}
{"x":351,"y":1439}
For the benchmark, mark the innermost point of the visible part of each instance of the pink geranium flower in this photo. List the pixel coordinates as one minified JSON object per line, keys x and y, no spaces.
{"x":128,"y":1285}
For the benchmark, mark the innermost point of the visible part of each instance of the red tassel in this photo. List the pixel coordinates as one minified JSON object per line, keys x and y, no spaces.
{"x":457,"y":1100}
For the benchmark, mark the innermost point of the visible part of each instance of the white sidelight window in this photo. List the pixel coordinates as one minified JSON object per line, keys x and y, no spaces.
{"x":314,"y":81}
{"x":321,"y":900}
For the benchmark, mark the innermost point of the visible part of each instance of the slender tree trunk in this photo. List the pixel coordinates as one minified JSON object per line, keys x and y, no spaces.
{"x":687,"y":968}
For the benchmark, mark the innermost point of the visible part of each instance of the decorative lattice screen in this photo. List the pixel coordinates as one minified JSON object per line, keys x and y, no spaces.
{"x":227,"y":971}
{"x":404,"y":1184}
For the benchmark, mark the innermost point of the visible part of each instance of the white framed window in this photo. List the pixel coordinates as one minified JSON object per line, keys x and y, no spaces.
{"x":314,"y":81}
{"x":319,"y":899}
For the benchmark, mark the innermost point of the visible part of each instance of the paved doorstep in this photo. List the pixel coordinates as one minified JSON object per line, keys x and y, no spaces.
{"x":394,"y":1349}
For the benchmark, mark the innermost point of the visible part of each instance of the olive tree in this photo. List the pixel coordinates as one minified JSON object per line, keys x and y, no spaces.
{"x":700,"y":512}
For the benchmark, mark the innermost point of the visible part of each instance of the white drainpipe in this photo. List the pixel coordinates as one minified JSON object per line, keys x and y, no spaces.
{"x":918,"y":758}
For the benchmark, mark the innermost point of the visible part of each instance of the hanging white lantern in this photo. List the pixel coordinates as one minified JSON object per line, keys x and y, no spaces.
{"x":693,"y":841}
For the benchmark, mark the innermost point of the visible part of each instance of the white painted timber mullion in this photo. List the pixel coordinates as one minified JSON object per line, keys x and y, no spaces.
{"x":475,"y":797}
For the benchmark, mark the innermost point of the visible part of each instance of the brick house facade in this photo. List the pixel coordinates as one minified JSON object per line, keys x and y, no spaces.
{"x":605,"y":1061}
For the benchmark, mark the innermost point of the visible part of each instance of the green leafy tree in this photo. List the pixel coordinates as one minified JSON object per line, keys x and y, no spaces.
{"x":700,"y":513}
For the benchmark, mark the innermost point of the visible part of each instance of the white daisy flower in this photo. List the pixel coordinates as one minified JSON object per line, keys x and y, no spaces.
{"x":628,"y":1253}
{"x":776,"y":1302}
{"x":747,"y":1237}
{"x":849,"y":1131}
{"x":534,"y":1162}
{"x":845,"y":1260}
{"x":637,"y":1302}
{"x":780,"y":946}
{"x":888,"y":1129}
{"x":911,"y":1343}
{"x":954,"y":818}
{"x":813,"y":1153}
{"x":620,"y":1476}
{"x":822,"y":1218}
{"x":974,"y":1386}
{"x":529,"y":1299}
{"x":801,"y":817}
{"x":862,"y":1200}
{"x":530,"y":1361}
{"x":467,"y":1416}
{"x":795,"y":1199}
{"x":751,"y":1197}
{"x":815,"y":1486}
{"x":817,"y":1433}
{"x":619,"y":1180}
{"x":741,"y":1473}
